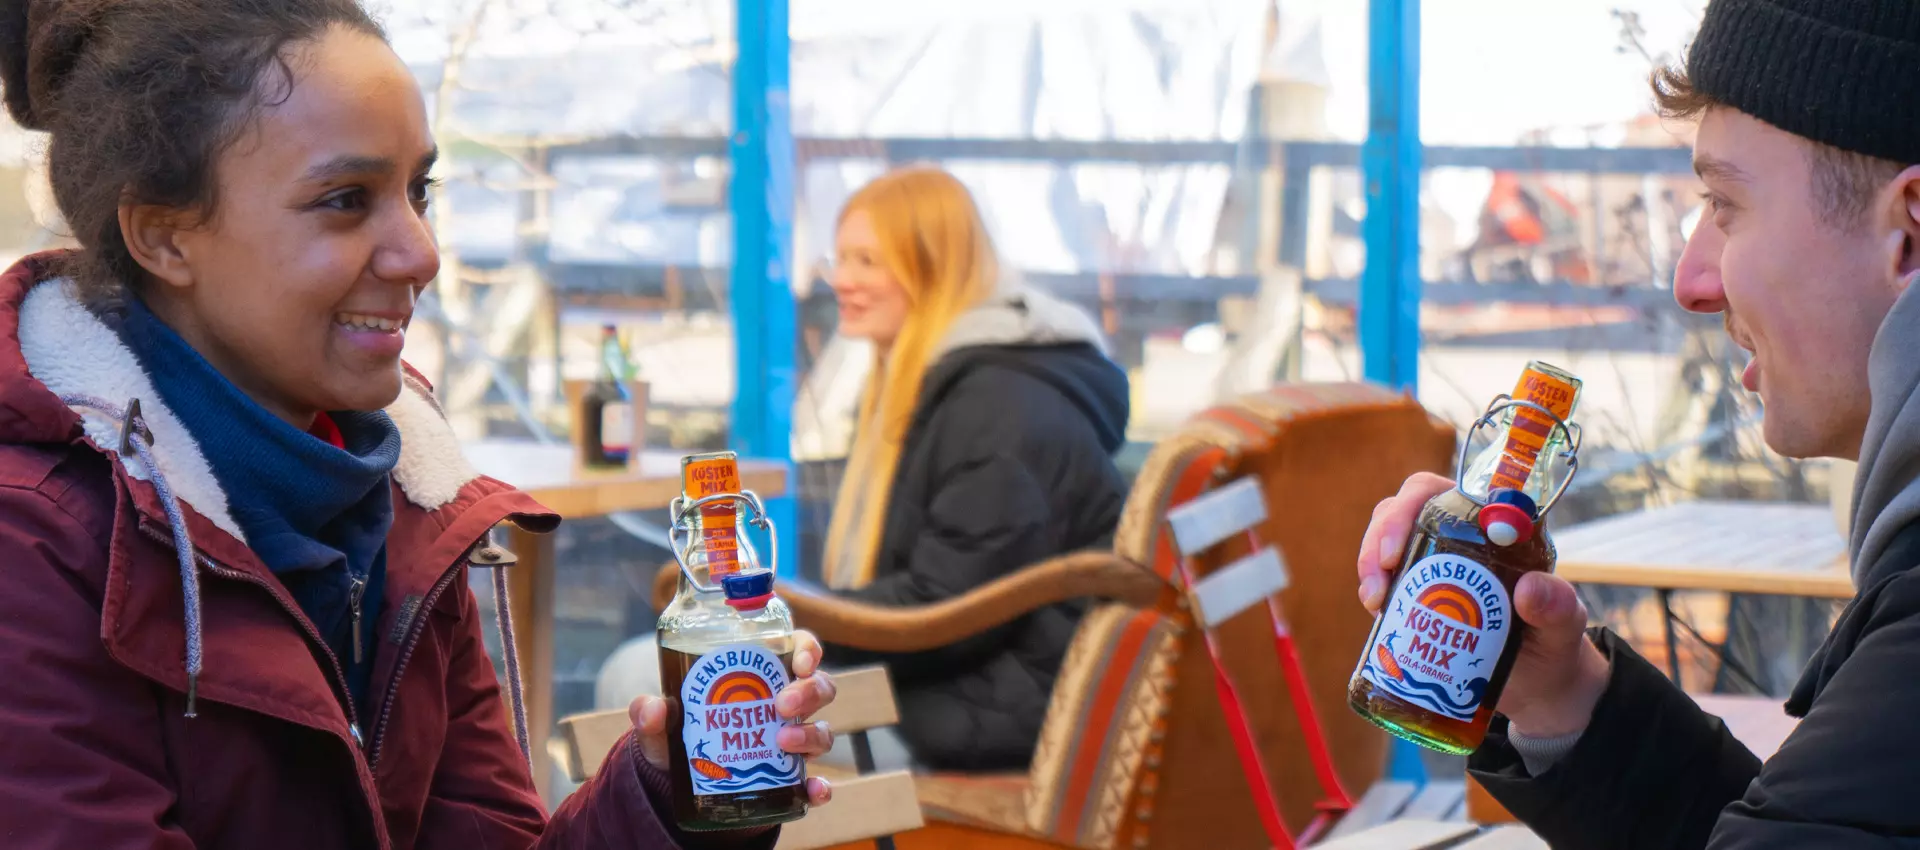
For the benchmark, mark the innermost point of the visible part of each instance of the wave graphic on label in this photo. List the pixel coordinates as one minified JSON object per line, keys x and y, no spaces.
{"x":1440,"y":636}
{"x":731,"y":723}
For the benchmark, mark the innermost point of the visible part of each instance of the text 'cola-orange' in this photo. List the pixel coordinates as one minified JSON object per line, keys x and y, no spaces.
{"x":1447,"y":635}
{"x":726,"y":649}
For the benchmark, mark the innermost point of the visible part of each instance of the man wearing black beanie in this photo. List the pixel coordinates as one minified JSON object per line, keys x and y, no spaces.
{"x":1809,"y":146}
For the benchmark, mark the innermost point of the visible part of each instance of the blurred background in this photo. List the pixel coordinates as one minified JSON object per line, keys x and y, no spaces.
{"x":1189,"y":170}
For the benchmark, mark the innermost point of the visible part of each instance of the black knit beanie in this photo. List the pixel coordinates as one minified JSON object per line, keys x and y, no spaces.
{"x":1842,"y":72}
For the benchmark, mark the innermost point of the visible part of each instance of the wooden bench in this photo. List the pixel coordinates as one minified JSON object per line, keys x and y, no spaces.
{"x":867,"y":806}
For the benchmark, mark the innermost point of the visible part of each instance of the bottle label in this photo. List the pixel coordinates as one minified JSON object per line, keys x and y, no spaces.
{"x":1531,"y":431}
{"x":616,"y":425}
{"x":1440,"y":636}
{"x":719,"y":523}
{"x":731,"y":723}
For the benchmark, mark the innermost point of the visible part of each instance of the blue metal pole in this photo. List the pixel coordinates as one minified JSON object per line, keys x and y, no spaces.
{"x":1390,"y":160}
{"x":1390,"y":286}
{"x":760,"y":198}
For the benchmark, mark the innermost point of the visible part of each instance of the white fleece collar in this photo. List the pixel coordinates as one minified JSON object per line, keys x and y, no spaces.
{"x":73,"y":353}
{"x":1018,"y":314}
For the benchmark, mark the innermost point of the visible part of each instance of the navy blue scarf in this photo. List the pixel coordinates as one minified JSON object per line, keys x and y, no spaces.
{"x":315,"y":514}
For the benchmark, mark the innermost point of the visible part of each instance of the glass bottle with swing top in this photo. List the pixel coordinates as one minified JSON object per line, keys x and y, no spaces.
{"x":1446,"y":638}
{"x":726,"y":649}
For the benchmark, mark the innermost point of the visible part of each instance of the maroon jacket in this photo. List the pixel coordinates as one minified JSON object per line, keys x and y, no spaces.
{"x":96,"y":750}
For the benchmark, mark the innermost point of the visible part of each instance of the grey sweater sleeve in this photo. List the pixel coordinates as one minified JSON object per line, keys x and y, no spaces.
{"x":1538,"y":754}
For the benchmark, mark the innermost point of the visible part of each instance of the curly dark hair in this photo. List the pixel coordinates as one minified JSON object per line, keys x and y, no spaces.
{"x":141,"y":97}
{"x":1845,"y":183}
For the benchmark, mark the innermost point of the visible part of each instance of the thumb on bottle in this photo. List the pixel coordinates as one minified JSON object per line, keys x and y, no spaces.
{"x":1549,"y":605}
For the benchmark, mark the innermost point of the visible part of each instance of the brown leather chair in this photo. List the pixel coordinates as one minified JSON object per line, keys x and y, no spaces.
{"x":1135,"y":751}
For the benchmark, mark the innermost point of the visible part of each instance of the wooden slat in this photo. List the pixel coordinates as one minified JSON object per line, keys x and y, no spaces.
{"x":1437,"y":801}
{"x":863,"y":700}
{"x":1401,"y":835}
{"x":1506,"y":837}
{"x":1380,"y":804}
{"x":1216,"y":515}
{"x":866,"y":807}
{"x":1240,"y":585}
{"x":1825,"y":583}
{"x":588,"y":737}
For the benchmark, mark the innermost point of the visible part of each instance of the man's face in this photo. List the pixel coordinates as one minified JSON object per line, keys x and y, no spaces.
{"x":1803,"y":293}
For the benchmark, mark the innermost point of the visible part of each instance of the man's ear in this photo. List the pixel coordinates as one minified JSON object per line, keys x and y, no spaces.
{"x":152,"y":234}
{"x":1903,"y":235}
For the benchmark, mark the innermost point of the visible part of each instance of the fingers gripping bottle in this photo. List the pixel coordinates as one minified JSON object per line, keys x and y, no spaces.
{"x":726,"y":648}
{"x":1447,"y":636}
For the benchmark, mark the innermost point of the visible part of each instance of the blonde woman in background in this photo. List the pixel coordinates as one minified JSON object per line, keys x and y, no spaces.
{"x":985,"y":443}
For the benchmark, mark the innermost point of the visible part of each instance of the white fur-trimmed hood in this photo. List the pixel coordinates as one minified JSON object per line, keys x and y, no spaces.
{"x":68,"y":349}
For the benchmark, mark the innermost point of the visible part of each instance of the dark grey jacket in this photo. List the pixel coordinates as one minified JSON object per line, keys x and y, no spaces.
{"x":1008,"y":461}
{"x":1652,"y":771}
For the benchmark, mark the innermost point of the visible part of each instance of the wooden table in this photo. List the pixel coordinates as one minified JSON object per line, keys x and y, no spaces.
{"x":1762,"y":723}
{"x":1781,"y":549}
{"x":547,"y":473}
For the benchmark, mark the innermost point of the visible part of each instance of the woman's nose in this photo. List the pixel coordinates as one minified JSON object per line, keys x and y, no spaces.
{"x":410,"y":253}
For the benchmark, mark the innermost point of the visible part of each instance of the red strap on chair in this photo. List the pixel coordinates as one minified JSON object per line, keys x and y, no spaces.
{"x":1242,"y":730}
{"x":1336,"y":801}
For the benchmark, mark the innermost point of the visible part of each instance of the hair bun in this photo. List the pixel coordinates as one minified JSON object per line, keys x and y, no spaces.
{"x":40,"y":42}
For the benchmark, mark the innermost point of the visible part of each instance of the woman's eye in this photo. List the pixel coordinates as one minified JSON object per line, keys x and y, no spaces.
{"x":346,"y":200}
{"x":420,"y":192}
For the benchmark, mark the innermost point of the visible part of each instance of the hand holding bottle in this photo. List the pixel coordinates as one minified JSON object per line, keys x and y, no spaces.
{"x":812,"y":689}
{"x":1558,"y":676}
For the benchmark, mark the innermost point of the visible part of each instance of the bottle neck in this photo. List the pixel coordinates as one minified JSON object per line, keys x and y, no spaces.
{"x":1545,"y":474}
{"x":611,"y":366}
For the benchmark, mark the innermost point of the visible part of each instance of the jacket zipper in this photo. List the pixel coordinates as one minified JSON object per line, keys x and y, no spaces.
{"x":354,"y":596}
{"x":313,"y":633}
{"x":414,"y":631}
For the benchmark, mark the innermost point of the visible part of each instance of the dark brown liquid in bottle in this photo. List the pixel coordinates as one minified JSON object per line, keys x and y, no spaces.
{"x":710,"y":812}
{"x":1449,"y":526}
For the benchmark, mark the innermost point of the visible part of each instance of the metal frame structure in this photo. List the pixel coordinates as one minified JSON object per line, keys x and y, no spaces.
{"x":1390,"y":161}
{"x":760,"y":198}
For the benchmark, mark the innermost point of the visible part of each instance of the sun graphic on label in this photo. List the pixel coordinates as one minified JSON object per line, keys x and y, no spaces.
{"x":1452,"y":602}
{"x":739,"y":686}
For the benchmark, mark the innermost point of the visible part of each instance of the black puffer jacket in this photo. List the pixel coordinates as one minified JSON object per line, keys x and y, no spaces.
{"x":1653,"y":772}
{"x":1008,"y":461}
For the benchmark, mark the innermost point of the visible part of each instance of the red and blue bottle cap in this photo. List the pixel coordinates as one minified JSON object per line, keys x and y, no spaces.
{"x":1507,"y":517}
{"x":748,"y":591}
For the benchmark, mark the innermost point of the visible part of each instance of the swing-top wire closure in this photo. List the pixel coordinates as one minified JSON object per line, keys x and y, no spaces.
{"x":1502,"y":402}
{"x":684,"y":512}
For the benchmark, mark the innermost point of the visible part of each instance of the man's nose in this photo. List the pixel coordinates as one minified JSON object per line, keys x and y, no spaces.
{"x":1696,"y":280}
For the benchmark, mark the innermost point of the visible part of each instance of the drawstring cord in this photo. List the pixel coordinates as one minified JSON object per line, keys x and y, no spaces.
{"x":503,"y":612}
{"x":137,"y":439}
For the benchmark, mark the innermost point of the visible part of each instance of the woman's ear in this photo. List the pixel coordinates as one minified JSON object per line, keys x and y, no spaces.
{"x":152,"y":234}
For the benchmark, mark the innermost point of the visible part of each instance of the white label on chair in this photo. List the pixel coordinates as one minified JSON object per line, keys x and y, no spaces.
{"x":1217,"y":515}
{"x":1241,"y":585}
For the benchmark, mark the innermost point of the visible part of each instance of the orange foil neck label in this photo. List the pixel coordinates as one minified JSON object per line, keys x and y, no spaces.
{"x":719,"y":522}
{"x":1530,"y":430}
